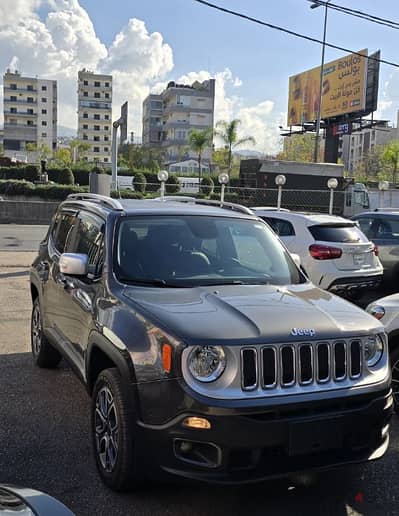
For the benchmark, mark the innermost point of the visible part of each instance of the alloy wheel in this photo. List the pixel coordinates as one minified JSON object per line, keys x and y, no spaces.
{"x":36,"y":330}
{"x":106,"y":429}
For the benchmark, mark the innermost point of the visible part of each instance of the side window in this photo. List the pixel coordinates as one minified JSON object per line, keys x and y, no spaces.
{"x":88,"y":239}
{"x":368,"y":226}
{"x":62,"y":230}
{"x":280,"y":227}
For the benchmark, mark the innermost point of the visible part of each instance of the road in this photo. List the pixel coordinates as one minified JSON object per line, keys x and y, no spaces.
{"x":14,"y":237}
{"x":45,"y":443}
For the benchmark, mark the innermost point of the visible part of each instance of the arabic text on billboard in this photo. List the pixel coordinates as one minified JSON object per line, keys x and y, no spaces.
{"x":343,"y":90}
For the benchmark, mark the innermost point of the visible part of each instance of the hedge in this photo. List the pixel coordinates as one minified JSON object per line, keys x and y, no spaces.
{"x":28,"y":189}
{"x":28,"y":172}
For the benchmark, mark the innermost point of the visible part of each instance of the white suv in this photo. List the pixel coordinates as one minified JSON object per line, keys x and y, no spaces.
{"x":334,"y":252}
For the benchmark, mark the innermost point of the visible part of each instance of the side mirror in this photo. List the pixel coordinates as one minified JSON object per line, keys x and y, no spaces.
{"x":74,"y":264}
{"x":296,"y":258}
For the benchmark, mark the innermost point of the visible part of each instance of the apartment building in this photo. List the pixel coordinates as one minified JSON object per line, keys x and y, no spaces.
{"x":95,"y":115}
{"x":354,"y":147}
{"x":169,"y":116}
{"x":30,"y":113}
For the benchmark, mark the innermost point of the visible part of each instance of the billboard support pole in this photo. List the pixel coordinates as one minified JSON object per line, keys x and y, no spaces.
{"x":323,"y":48}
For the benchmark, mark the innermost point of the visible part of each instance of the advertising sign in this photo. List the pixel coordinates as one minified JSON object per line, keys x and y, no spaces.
{"x":341,"y":129}
{"x":343,"y":90}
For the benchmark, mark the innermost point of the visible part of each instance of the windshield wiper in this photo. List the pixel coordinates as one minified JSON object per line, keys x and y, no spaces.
{"x":154,"y":282}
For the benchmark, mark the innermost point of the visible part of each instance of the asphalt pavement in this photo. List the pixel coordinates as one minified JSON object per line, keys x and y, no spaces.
{"x":45,"y":443}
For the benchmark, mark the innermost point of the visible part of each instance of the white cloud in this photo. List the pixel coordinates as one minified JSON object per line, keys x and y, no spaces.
{"x":63,"y":42}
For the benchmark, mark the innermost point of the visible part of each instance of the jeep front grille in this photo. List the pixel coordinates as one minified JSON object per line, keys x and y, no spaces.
{"x":287,"y":365}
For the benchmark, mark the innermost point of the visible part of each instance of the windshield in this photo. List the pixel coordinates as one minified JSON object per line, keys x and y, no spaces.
{"x":200,"y":250}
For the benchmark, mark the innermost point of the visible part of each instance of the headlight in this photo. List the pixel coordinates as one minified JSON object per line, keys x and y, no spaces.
{"x":377,"y":311}
{"x":374,"y":350}
{"x":206,"y":363}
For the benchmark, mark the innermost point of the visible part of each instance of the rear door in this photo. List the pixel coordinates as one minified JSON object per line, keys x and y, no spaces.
{"x":357,"y":250}
{"x":284,"y":229}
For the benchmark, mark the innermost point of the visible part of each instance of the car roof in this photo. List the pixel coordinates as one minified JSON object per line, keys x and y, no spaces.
{"x":379,"y":211}
{"x":186,"y":206}
{"x":307,"y":217}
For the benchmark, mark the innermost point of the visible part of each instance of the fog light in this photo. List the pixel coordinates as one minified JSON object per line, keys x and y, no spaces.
{"x":196,"y":422}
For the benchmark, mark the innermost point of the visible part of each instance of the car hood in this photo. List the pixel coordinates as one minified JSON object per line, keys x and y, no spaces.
{"x":251,"y":313}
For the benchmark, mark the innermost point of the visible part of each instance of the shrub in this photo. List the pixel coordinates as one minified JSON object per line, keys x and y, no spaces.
{"x":66,"y":177}
{"x":207,"y":185}
{"x":139,"y":182}
{"x":172,"y":185}
{"x":126,"y":194}
{"x":31,"y":173}
{"x":97,"y":170}
{"x":48,"y":192}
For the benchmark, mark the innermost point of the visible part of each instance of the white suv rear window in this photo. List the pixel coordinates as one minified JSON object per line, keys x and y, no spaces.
{"x":344,"y":233}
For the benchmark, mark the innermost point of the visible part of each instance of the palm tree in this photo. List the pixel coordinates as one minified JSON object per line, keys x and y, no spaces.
{"x":199,"y":141}
{"x":228,"y":132}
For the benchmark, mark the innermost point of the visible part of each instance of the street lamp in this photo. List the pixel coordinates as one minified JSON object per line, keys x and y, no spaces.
{"x":223,"y":179}
{"x":280,"y":182}
{"x":383,"y":186}
{"x":163,"y":177}
{"x":332,"y":184}
{"x":315,"y":4}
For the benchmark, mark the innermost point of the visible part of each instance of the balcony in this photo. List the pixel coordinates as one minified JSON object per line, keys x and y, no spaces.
{"x":20,"y":113}
{"x":7,"y":88}
{"x":24,"y":126}
{"x":87,"y":104}
{"x":19,"y":101}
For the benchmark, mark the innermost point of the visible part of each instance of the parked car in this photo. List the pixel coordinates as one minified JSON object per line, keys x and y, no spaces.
{"x":334,"y":253}
{"x":386,"y":310}
{"x":29,"y":502}
{"x":206,"y":351}
{"x":382,"y":227}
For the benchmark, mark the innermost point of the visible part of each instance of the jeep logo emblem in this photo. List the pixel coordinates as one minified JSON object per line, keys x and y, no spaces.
{"x":307,"y":332}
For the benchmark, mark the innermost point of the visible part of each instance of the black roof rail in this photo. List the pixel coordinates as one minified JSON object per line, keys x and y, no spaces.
{"x":207,"y":202}
{"x":108,"y":202}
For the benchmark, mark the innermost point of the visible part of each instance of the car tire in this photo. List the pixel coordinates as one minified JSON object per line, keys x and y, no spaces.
{"x":394,"y":358}
{"x":44,"y":354}
{"x":113,"y":432}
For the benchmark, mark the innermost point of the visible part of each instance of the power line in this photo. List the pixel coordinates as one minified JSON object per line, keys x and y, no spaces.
{"x":291,"y":32}
{"x":359,"y":14}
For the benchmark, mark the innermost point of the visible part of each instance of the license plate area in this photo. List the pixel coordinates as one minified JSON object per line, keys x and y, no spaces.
{"x":310,"y":437}
{"x":359,"y":259}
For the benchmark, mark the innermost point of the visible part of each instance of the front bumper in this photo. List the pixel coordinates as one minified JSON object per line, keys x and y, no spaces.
{"x":259,"y":444}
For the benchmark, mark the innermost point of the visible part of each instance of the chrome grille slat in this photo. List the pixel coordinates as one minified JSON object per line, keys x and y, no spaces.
{"x":301,"y":364}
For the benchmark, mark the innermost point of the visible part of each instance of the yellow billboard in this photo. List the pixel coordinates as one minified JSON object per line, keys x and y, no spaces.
{"x":343,"y":90}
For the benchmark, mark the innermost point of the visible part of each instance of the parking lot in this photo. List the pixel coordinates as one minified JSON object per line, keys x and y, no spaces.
{"x":46,"y":445}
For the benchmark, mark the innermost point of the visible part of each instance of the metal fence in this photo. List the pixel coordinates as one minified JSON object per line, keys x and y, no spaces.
{"x":298,"y":200}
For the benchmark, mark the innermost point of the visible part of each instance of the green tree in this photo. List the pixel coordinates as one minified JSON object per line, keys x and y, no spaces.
{"x":371,"y":165}
{"x":43,"y":151}
{"x":298,"y":147}
{"x":390,"y":158}
{"x":79,"y":150}
{"x":228,"y":132}
{"x":63,"y":156}
{"x":198,"y":141}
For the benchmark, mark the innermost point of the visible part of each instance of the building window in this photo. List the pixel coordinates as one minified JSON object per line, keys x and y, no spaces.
{"x":105,"y":149}
{"x":44,"y":122}
{"x":85,"y":126}
{"x":30,"y":111}
{"x":44,"y":100}
{"x":96,"y":95}
{"x":106,"y":139}
{"x":85,"y":93}
{"x":107,"y":84}
{"x":85,"y":137}
{"x":44,"y":111}
{"x":107,"y":95}
{"x":13,"y":110}
{"x":44,"y":88}
{"x":29,"y":87}
{"x":97,"y":84}
{"x":44,"y":135}
{"x":13,"y":86}
{"x":96,"y":117}
{"x":106,"y":160}
{"x":13,"y":98}
{"x":106,"y":128}
{"x":96,"y":127}
{"x":96,"y":138}
{"x":29,"y":122}
{"x":96,"y":149}
{"x":85,"y":83}
{"x":85,"y":115}
{"x":106,"y":117}
{"x":30,"y":100}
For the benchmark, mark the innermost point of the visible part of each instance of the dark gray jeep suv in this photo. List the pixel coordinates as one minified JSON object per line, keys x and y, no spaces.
{"x":207,"y":353}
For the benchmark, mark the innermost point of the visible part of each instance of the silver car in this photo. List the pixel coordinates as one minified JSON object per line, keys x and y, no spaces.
{"x":382,"y":227}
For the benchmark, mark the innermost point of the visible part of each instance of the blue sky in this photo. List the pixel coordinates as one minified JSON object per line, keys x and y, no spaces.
{"x":262,"y":58}
{"x":146,"y":43}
